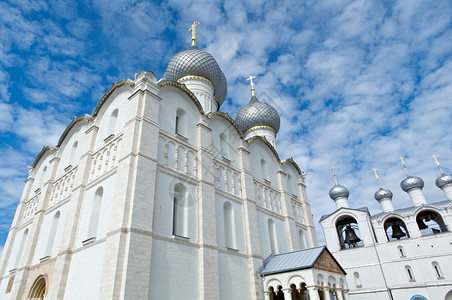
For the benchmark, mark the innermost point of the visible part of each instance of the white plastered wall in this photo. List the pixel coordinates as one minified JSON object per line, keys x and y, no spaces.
{"x":238,"y":217}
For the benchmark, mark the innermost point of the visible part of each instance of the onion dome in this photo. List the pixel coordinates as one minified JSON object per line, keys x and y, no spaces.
{"x":382,"y":194}
{"x":339,"y":191}
{"x":257,"y":113}
{"x":443,"y":180}
{"x":195,"y":62}
{"x":411,"y":182}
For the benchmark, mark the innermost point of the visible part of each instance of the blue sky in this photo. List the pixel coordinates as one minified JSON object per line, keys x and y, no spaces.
{"x":357,"y":83}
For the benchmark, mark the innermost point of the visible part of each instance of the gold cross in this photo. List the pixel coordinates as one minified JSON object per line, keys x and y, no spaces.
{"x":193,"y":32}
{"x":435,"y":158}
{"x":250,"y":79}
{"x":404,"y":166}
{"x":376,"y":175}
{"x":333,"y":168}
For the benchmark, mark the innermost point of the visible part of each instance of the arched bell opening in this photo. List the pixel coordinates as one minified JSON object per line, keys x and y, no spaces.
{"x":38,"y":289}
{"x":430,"y":222}
{"x":396,"y":229}
{"x":348,"y":233}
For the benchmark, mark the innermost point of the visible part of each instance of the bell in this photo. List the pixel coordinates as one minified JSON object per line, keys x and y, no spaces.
{"x":397,"y":232}
{"x":421,"y":224}
{"x":350,"y":236}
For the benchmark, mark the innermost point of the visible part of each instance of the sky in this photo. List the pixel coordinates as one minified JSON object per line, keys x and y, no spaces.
{"x":357,"y":83}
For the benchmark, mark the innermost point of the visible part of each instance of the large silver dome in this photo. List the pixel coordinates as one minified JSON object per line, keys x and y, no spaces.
{"x":257,"y":113}
{"x":339,"y":191}
{"x":411,"y":182}
{"x":382,"y":194}
{"x":197,"y":63}
{"x":443,"y":180}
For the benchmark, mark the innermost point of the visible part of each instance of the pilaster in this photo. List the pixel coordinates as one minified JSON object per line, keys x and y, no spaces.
{"x":288,"y":213}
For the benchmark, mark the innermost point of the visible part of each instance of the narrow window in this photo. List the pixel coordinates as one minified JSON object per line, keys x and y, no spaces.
{"x":273,"y":236}
{"x":113,"y":121}
{"x":180,"y":211}
{"x":21,"y":248}
{"x":229,"y":226}
{"x":401,"y":251}
{"x":264,"y":169}
{"x":74,"y":157}
{"x":357,"y":280}
{"x":95,"y":213}
{"x":52,"y":234}
{"x":437,"y":270}
{"x":302,"y":239}
{"x":41,"y":179}
{"x":180,"y":127}
{"x":177,"y":125}
{"x":289,"y":184}
{"x":410,"y":273}
{"x":224,"y":146}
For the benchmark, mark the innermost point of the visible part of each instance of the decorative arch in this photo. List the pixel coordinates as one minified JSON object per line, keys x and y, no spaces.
{"x":115,"y":86}
{"x":39,"y":288}
{"x":95,"y":212}
{"x":293,"y":163}
{"x":226,"y":116}
{"x":262,"y":139}
{"x":183,"y":88}
{"x":273,"y":236}
{"x":75,"y":121}
{"x":395,"y":229}
{"x":348,"y":232}
{"x":430,"y":222}
{"x":52,"y":234}
{"x":229,"y":226}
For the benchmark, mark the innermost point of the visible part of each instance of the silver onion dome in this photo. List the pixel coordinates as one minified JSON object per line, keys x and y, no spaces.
{"x":196,"y":62}
{"x":411,"y":182}
{"x":338,"y":191}
{"x":382,"y":194}
{"x":257,"y":113}
{"x":443,"y":180}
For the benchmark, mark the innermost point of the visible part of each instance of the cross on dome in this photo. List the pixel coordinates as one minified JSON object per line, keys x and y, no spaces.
{"x":376,"y":176}
{"x":404,"y":165}
{"x":250,"y":79}
{"x":193,"y":32}
{"x":333,"y":169}
{"x":435,"y":158}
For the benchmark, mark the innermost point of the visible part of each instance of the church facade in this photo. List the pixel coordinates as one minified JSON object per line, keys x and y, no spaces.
{"x":158,"y":195}
{"x":398,"y":253}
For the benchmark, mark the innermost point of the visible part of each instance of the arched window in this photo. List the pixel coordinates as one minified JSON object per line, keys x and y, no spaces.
{"x":401,"y":251}
{"x":430,"y":222}
{"x":409,"y":273}
{"x":53,"y":230}
{"x":229,"y":226}
{"x":21,"y":248}
{"x":264,"y":169}
{"x":74,"y":157}
{"x":273,"y":237}
{"x":224,"y":146}
{"x":357,"y":280}
{"x":38,"y":289}
{"x":437,"y":270}
{"x":113,"y":121}
{"x":41,"y":179}
{"x":348,"y":232}
{"x":302,"y":239}
{"x":395,"y":229}
{"x":180,"y":127}
{"x":290,"y":184}
{"x":95,"y":213}
{"x":180,"y":211}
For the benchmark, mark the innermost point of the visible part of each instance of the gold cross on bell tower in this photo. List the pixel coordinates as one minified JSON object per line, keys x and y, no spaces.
{"x":333,"y":169}
{"x":250,"y":79}
{"x":404,"y":165}
{"x":193,"y":32}
{"x":376,"y":176}
{"x":435,"y":158}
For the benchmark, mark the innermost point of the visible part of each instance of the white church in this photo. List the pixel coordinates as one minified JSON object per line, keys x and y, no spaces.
{"x":159,"y":195}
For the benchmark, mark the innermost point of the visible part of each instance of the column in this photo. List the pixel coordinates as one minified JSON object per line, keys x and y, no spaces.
{"x":346,"y":295}
{"x":326,"y":293}
{"x":313,"y":293}
{"x":339,"y":294}
{"x":288,"y":294}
